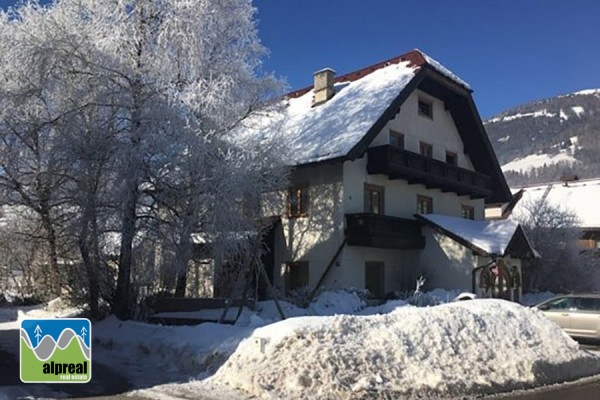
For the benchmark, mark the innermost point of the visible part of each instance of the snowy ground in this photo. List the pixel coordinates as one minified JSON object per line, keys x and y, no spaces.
{"x":339,"y":348}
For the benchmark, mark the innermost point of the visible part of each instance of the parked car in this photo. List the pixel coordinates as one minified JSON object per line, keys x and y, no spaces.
{"x":577,"y":314}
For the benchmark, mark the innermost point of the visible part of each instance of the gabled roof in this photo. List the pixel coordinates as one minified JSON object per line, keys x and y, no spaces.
{"x":365,"y":100}
{"x":496,"y":238}
{"x":581,"y":197}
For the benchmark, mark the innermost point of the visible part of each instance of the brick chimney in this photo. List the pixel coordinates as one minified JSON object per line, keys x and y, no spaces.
{"x":323,"y":88}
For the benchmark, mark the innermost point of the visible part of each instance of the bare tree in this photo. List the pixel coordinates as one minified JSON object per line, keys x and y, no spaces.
{"x":554,"y":231}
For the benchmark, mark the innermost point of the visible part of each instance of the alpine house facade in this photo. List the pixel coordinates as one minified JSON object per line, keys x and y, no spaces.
{"x":392,"y":171}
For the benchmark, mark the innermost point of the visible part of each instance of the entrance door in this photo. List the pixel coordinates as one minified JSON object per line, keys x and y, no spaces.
{"x":375,"y":278}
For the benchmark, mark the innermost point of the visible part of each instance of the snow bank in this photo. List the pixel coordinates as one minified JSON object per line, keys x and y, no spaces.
{"x":187,"y":349}
{"x":463,"y":348}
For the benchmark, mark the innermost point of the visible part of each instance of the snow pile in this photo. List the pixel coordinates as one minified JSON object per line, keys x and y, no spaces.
{"x":57,"y":308}
{"x":187,"y":349}
{"x":463,"y":348}
{"x":338,"y":302}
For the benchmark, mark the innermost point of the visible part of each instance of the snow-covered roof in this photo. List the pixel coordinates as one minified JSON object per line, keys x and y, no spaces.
{"x":580,"y":197}
{"x":491,"y":237}
{"x":331,"y":129}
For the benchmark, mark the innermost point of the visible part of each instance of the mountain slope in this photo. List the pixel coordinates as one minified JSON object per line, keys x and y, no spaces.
{"x":544,"y":140}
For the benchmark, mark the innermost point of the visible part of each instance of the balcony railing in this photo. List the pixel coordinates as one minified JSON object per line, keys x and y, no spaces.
{"x":383,"y":231}
{"x":415,"y":168}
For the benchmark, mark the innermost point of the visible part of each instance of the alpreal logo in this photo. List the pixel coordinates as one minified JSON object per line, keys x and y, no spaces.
{"x":56,"y":350}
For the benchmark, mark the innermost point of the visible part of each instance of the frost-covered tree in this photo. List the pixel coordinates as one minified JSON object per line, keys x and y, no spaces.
{"x":136,"y":100}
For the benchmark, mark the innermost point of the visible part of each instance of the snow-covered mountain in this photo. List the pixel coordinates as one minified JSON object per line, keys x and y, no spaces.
{"x":546,"y":139}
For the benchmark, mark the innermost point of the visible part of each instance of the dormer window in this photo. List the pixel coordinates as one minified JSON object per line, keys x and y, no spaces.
{"x":396,"y":139}
{"x":425,"y":108}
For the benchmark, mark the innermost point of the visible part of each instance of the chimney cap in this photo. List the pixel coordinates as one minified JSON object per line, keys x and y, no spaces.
{"x":326,"y":69}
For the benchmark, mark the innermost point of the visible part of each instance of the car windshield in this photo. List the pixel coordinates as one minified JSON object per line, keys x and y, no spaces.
{"x":562,"y":303}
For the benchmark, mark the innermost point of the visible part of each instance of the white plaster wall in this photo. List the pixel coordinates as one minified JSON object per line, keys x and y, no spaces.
{"x":317,"y":237}
{"x":440,"y":131}
{"x":446,"y":263}
{"x":400,"y":197}
{"x":401,"y":268}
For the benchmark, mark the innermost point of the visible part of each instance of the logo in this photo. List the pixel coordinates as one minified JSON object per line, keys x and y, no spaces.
{"x":56,"y":350}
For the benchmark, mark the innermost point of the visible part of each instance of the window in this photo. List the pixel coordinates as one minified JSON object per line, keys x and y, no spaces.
{"x":298,"y":202}
{"x":426,"y":149}
{"x":424,"y":205}
{"x":374,"y":199}
{"x":451,"y":158}
{"x":563,"y":303}
{"x":375,"y":278}
{"x":425,"y":108}
{"x":296,"y":275}
{"x":587,"y":303}
{"x":468,"y":212}
{"x":396,"y":139}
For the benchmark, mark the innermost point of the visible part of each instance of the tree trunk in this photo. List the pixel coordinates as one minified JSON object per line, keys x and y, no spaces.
{"x":182,"y":258}
{"x":55,"y":278}
{"x":122,"y":306}
{"x":89,"y":256}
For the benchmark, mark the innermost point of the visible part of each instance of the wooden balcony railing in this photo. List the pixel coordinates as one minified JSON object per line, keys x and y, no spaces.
{"x":383,"y":231}
{"x":397,"y":163}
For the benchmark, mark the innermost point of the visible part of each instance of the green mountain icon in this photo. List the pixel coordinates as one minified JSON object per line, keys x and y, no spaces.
{"x":67,"y":360}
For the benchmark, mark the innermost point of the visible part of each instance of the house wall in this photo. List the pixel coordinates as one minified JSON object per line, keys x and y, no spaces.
{"x":446,"y":263}
{"x":316,"y":237}
{"x":440,"y":132}
{"x":400,"y":197}
{"x":400,"y":272}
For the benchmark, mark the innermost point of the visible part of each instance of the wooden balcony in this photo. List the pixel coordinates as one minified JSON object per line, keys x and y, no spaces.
{"x":434,"y":174}
{"x":383,"y":231}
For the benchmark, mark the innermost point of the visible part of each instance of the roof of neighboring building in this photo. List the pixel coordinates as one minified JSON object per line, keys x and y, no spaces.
{"x":494,"y":238}
{"x":581,"y":197}
{"x":364,"y":101}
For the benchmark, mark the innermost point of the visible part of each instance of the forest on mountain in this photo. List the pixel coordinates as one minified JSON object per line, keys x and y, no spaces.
{"x":567,"y":124}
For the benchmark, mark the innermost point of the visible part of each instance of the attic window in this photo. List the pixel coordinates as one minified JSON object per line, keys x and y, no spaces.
{"x":425,"y":108}
{"x":396,"y":139}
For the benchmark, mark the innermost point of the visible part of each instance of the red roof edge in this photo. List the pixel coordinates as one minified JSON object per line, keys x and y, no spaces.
{"x":414,"y":57}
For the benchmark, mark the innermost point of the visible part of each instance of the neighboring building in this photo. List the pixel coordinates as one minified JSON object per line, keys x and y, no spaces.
{"x":579,"y":196}
{"x":392,"y":172}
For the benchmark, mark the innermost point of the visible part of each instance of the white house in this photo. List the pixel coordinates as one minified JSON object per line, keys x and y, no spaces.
{"x":392,"y":173}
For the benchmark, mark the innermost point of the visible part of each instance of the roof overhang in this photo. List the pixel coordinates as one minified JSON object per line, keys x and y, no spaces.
{"x":497,"y":238}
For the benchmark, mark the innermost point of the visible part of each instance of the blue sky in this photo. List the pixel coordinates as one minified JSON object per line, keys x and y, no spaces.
{"x":510,"y":51}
